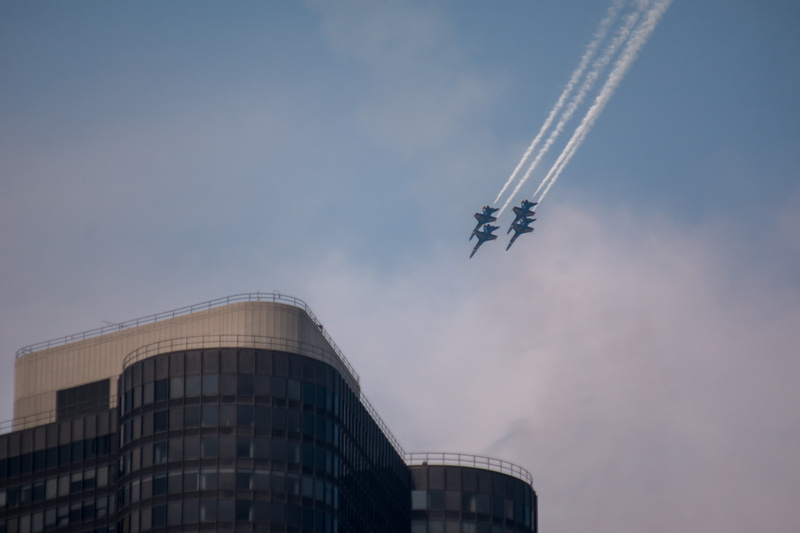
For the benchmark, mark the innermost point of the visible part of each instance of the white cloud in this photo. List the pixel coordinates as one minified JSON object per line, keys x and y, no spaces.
{"x":621,"y":360}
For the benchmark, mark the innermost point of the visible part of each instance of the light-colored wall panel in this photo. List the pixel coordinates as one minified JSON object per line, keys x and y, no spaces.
{"x":38,"y":375}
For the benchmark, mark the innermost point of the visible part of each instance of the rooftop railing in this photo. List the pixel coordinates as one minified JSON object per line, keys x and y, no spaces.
{"x":258,"y":296}
{"x":474,"y":461}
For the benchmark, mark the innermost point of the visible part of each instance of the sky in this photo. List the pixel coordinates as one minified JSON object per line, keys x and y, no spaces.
{"x":638,"y":353}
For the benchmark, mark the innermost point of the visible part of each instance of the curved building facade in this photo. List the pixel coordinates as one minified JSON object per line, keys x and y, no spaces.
{"x":463,"y":498}
{"x":233,"y":416}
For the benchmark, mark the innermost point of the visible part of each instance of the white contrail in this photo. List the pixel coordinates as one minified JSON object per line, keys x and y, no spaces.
{"x":597,"y":68}
{"x":626,"y":59}
{"x":599,"y":36}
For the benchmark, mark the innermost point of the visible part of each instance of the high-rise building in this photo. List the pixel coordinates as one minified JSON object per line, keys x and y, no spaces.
{"x":239,"y":415}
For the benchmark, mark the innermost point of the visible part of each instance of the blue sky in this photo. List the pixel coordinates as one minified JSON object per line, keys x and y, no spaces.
{"x":637,"y":353}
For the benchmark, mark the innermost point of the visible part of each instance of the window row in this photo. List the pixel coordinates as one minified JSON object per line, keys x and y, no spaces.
{"x":230,"y":361}
{"x":231,"y":447}
{"x":51,"y":488}
{"x":454,"y":526}
{"x":55,"y":456}
{"x":176,"y":418}
{"x":243,"y":385}
{"x":228,"y":479}
{"x":212,"y":511}
{"x":62,"y":516}
{"x":468,"y":502}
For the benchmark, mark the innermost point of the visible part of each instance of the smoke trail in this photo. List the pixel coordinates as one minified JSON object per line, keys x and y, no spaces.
{"x":626,"y":59}
{"x":599,"y":36}
{"x":597,"y":68}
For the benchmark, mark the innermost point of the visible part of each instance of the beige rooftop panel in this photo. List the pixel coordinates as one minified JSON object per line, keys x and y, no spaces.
{"x":271,"y":320}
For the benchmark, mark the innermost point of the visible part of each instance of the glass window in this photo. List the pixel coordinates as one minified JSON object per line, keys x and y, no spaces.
{"x":436,"y":500}
{"x":226,"y":479}
{"x":190,"y":511}
{"x":159,"y":515}
{"x":175,"y":418}
{"x":191,"y":416}
{"x":174,"y":513}
{"x":261,"y":385}
{"x":176,"y":388}
{"x":210,"y":385}
{"x":227,"y":384}
{"x":102,"y":476}
{"x":244,"y":511}
{"x":225,"y":510}
{"x":148,"y":393}
{"x":293,"y":389}
{"x":101,"y":507}
{"x":190,"y":481}
{"x":227,"y":447}
{"x":468,"y":502}
{"x":210,"y":415}
{"x":76,"y":482}
{"x":484,"y":504}
{"x":452,"y":500}
{"x":175,"y":449}
{"x":261,"y":448}
{"x":160,"y":452}
{"x":244,"y":385}
{"x":161,"y":390}
{"x":244,"y":447}
{"x":89,"y":479}
{"x":77,"y":451}
{"x":261,"y":416}
{"x":497,"y":506}
{"x":50,"y":518}
{"x":419,"y":499}
{"x":192,"y":386}
{"x":209,"y":448}
{"x":227,"y":415}
{"x":435,"y":526}
{"x":244,"y":481}
{"x":191,"y":448}
{"x":50,"y":491}
{"x":63,"y":485}
{"x":244,"y":415}
{"x":160,"y":419}
{"x":159,"y":485}
{"x":208,"y":480}
{"x":419,"y":526}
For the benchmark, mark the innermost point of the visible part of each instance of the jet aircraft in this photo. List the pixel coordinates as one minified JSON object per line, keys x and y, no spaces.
{"x":486,"y":234}
{"x":522,"y":212}
{"x":484,"y":218}
{"x":520,"y":228}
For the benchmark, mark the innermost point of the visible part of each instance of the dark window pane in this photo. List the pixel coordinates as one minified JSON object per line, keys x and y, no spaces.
{"x":244,"y":386}
{"x":159,"y":515}
{"x":243,"y":511}
{"x":159,"y":485}
{"x":210,"y":415}
{"x":190,"y":511}
{"x":244,"y":415}
{"x":191,"y":416}
{"x":162,"y":390}
{"x":192,"y":386}
{"x":160,"y":419}
{"x":209,"y":448}
{"x":244,"y":447}
{"x":159,"y":452}
{"x":210,"y":385}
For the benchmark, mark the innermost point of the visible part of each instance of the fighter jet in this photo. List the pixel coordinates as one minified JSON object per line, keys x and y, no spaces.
{"x":483,"y":235}
{"x":520,"y":228}
{"x":484,"y":218}
{"x":522,"y":212}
